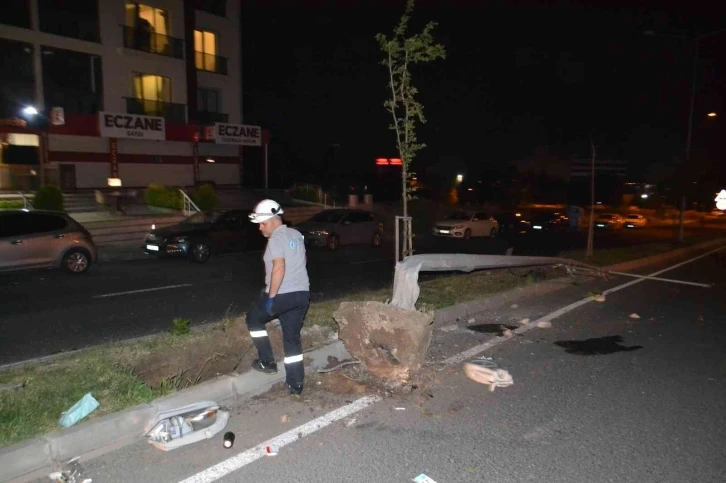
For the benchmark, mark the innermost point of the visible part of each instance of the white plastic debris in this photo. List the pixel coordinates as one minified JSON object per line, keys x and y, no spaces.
{"x":506,"y":333}
{"x":634,"y":316}
{"x":599,"y":298}
{"x":471,"y":321}
{"x":544,"y":324}
{"x":488,"y":373}
{"x":71,"y":473}
{"x":422,"y":478}
{"x":179,"y":427}
{"x":524,"y":321}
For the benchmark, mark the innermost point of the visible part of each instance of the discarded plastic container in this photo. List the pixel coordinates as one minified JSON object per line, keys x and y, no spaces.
{"x":179,"y":427}
{"x":228,"y":440}
{"x":78,"y":411}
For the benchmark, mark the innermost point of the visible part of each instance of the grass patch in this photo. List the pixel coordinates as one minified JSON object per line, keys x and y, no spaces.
{"x":126,"y":374}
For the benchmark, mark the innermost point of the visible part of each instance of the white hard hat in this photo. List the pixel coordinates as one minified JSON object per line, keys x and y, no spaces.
{"x":265,"y":210}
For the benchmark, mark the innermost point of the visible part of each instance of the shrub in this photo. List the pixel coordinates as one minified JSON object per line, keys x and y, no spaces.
{"x":163,"y":197}
{"x":11,"y":205}
{"x":48,"y":197}
{"x":205,"y":197}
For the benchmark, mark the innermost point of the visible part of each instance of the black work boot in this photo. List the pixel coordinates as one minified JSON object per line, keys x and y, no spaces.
{"x":265,"y":367}
{"x":295,"y":389}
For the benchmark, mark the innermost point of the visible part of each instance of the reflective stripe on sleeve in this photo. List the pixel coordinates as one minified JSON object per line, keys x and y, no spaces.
{"x":291,"y":359}
{"x":258,"y":333}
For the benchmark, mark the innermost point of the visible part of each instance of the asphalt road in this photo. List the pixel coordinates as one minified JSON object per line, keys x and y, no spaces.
{"x":598,"y":397}
{"x":48,"y":312}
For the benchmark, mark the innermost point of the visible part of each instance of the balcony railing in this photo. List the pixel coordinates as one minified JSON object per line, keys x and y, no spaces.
{"x":168,"y":110}
{"x":145,"y":41}
{"x":210,"y":63}
{"x":209,"y":118}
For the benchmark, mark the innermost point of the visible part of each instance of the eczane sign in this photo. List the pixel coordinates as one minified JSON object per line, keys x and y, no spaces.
{"x":131,"y":126}
{"x":237,"y":134}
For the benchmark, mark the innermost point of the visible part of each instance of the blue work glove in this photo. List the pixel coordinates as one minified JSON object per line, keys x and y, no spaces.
{"x":268,"y":305}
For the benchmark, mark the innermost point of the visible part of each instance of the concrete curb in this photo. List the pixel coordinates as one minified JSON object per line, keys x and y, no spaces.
{"x":36,"y":458}
{"x":465,"y":310}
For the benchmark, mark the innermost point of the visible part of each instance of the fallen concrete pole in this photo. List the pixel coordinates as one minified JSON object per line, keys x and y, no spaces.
{"x":405,"y":283}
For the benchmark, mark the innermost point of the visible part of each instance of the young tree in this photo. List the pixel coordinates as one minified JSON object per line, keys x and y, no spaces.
{"x":401,"y":51}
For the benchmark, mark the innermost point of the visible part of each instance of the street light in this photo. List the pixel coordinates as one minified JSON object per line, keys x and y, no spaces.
{"x":694,"y":76}
{"x":712,"y":114}
{"x":30,"y":111}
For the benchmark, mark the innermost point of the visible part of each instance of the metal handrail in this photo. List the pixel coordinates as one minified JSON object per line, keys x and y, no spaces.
{"x":189,"y":207}
{"x":26,"y":203}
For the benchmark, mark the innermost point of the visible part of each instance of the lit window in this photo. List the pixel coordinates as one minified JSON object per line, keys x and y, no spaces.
{"x":149,"y":22}
{"x":153,"y":91}
{"x":205,"y":47}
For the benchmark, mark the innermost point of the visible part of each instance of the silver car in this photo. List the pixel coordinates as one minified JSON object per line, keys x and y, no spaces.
{"x":44,"y":239}
{"x":333,"y":228}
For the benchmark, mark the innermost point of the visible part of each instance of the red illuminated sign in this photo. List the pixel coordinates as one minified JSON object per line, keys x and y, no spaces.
{"x":389,"y":162}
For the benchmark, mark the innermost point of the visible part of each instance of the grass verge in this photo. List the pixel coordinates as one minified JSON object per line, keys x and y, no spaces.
{"x":122,"y":375}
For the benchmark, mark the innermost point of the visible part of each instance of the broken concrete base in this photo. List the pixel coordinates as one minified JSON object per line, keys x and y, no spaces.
{"x":391,"y":342}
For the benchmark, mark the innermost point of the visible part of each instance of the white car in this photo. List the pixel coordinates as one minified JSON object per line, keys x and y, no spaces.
{"x":609,"y":221}
{"x":466,"y":224}
{"x":635,"y":221}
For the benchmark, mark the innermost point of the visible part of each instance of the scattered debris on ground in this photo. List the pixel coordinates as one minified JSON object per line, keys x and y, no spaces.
{"x":544,"y":324}
{"x":599,"y":298}
{"x":174,"y":428}
{"x":72,"y":472}
{"x":634,"y":316}
{"x":524,"y":321}
{"x":485,"y":371}
{"x":85,"y":406}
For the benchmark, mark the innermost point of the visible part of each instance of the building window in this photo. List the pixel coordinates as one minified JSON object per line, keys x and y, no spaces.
{"x":149,"y":26}
{"x":205,"y":47}
{"x":215,"y":7}
{"x":77,"y":19}
{"x":153,"y":93}
{"x":72,"y":80}
{"x":208,"y":100}
{"x":209,"y":106}
{"x":18,"y":15}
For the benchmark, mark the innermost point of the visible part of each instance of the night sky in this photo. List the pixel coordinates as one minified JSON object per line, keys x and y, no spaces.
{"x":519,"y":80}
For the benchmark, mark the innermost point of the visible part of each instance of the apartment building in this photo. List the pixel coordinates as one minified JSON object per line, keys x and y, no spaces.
{"x":107,"y":92}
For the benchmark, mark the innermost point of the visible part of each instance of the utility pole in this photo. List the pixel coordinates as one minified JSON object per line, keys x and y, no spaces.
{"x":591,"y":228}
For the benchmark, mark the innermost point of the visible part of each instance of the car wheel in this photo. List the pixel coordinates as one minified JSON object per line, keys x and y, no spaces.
{"x":333,"y":243}
{"x":467,"y":234}
{"x":377,"y":239}
{"x":76,"y":261}
{"x":200,"y":252}
{"x":493,"y":232}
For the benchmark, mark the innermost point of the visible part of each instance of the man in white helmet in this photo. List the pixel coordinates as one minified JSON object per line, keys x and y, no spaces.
{"x":286,"y":296}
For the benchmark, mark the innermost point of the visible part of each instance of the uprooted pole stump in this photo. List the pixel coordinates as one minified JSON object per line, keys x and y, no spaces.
{"x":390,"y":342}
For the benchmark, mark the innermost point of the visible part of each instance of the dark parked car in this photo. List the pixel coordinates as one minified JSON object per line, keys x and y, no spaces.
{"x":512,"y":224}
{"x":205,"y":234}
{"x":44,"y":239}
{"x":552,"y":222}
{"x":333,"y":228}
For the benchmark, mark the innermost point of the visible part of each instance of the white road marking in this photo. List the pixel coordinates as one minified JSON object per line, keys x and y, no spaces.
{"x":478,"y":349}
{"x":141,"y":291}
{"x":253,"y":454}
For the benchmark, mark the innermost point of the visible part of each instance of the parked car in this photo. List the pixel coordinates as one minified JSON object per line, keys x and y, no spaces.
{"x":512,"y":224}
{"x":609,"y":221}
{"x":635,"y":221}
{"x":466,"y":224}
{"x":551,"y":222}
{"x":205,"y":234}
{"x":44,"y":239}
{"x":337,"y":227}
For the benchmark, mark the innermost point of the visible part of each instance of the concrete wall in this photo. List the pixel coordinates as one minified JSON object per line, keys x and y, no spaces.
{"x":91,"y":175}
{"x":219,"y":173}
{"x":144,"y":174}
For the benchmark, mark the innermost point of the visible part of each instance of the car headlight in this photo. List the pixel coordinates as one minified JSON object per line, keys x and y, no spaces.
{"x":179,"y":239}
{"x":318,"y":233}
